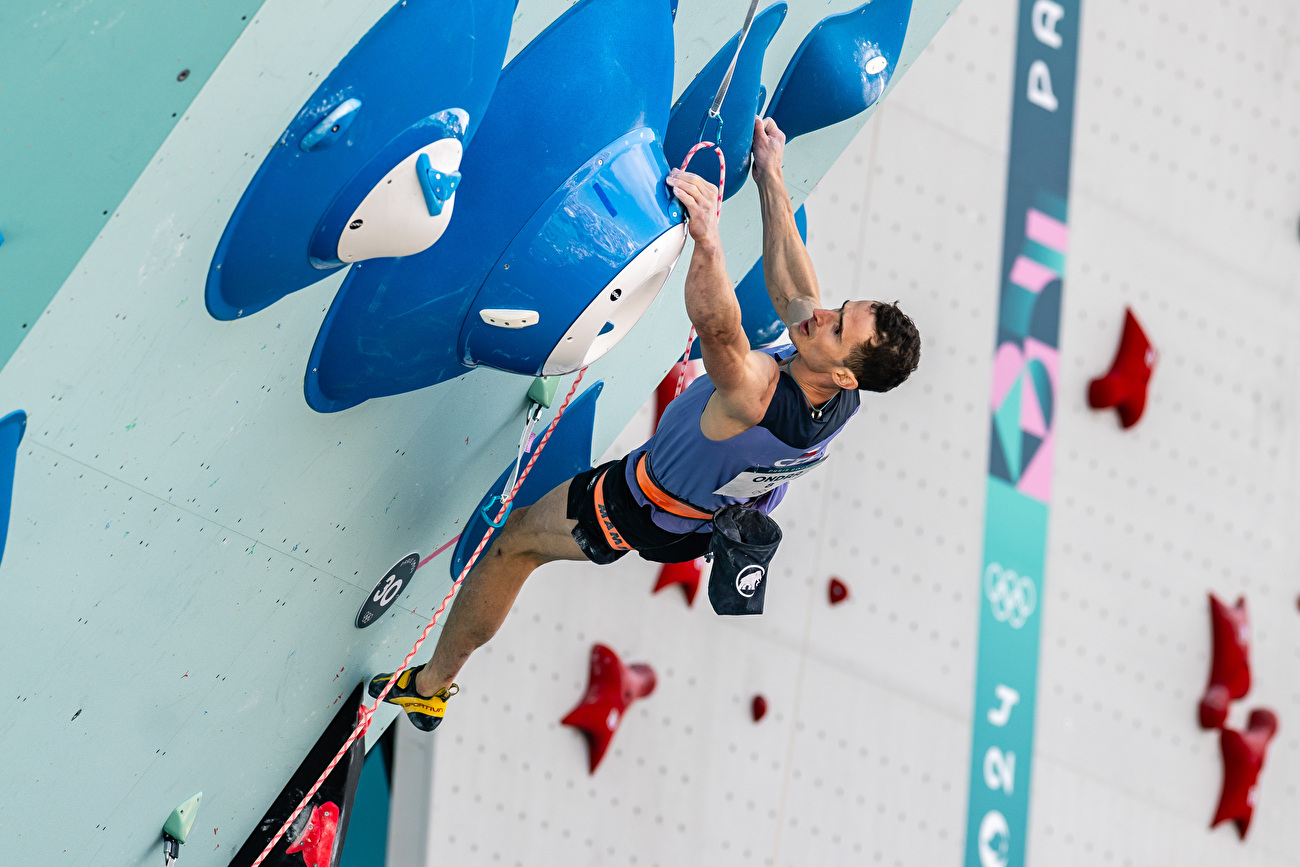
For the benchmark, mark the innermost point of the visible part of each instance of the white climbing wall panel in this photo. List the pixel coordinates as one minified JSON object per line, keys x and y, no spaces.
{"x":1184,"y":206}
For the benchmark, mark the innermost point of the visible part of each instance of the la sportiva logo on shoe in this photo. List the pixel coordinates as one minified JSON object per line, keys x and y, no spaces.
{"x":748,"y":580}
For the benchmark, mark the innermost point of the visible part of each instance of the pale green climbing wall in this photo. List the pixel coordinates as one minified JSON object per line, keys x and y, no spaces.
{"x":189,"y":542}
{"x":88,"y":91}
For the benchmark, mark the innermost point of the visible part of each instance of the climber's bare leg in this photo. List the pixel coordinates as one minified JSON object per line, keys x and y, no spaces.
{"x":532,"y":536}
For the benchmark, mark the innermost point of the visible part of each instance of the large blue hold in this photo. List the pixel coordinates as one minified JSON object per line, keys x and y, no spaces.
{"x":757,"y":315}
{"x":734,"y":130}
{"x":841,"y":68}
{"x":393,"y":94}
{"x":12,"y":427}
{"x":567,"y":453}
{"x":562,"y":187}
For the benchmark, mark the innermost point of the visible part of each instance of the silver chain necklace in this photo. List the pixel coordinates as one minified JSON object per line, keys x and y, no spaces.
{"x":816,"y":411}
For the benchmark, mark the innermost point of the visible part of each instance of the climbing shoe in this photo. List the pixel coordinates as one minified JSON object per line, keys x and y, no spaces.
{"x":424,"y":712}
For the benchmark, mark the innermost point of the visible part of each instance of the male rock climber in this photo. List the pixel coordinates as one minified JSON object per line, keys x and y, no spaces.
{"x":719,"y":442}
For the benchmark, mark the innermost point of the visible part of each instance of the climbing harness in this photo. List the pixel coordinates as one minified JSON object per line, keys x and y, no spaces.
{"x":365,"y":714}
{"x":663,"y":498}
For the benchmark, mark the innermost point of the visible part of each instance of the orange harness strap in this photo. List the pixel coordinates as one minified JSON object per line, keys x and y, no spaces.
{"x":661,"y":498}
{"x":612,"y":536}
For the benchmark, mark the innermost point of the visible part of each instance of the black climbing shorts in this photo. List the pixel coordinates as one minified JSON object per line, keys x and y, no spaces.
{"x":631,"y":523}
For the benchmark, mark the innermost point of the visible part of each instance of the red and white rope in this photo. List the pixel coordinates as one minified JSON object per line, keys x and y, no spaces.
{"x":722,"y":165}
{"x":364,"y":713}
{"x":686,"y":359}
{"x":722,"y":179}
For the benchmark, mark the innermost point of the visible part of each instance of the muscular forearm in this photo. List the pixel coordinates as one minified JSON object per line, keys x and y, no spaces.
{"x":710,"y":299}
{"x":787,"y":269}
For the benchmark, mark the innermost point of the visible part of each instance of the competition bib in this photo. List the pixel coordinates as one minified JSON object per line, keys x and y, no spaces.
{"x":757,"y":481}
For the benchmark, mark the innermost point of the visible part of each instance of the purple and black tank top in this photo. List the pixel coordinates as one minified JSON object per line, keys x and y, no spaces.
{"x":753,"y":467}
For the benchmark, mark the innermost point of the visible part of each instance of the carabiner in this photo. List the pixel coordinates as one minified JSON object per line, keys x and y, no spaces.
{"x":704,"y":128}
{"x":494,"y":524}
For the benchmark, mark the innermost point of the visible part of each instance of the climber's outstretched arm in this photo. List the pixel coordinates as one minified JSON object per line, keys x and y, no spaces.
{"x":742,"y":378}
{"x":787,"y":269}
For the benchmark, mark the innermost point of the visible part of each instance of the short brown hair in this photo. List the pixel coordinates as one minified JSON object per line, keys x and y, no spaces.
{"x":888,"y":360}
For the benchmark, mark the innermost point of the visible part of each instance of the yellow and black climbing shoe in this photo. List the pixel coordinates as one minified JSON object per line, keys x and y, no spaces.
{"x":424,"y":712}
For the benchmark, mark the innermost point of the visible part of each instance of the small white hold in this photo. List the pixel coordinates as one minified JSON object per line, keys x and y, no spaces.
{"x":876,"y":64}
{"x":509,"y":318}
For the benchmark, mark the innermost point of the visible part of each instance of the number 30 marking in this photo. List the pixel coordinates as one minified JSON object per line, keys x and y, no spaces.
{"x":386,"y":594}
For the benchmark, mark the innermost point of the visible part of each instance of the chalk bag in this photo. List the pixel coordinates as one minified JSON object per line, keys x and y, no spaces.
{"x":744,"y":541}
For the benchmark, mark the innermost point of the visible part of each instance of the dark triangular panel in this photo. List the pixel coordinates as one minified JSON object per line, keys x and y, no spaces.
{"x":1045,"y":321}
{"x":338,"y":790}
{"x":1028,"y":448}
{"x":997,"y":458}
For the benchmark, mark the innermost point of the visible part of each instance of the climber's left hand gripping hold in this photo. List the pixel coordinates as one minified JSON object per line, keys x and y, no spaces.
{"x":700,"y":198}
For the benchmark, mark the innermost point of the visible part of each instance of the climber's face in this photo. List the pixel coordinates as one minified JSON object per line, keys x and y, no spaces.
{"x":826,"y":338}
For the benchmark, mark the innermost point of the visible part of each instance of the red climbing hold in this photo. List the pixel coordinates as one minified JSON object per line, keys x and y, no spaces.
{"x":667,"y":390}
{"x":838,"y":591}
{"x":611,"y":688}
{"x":1229,"y":662}
{"x":1243,"y":758}
{"x":317,"y":841}
{"x":1125,"y":386}
{"x":686,"y":575}
{"x":758,"y":707}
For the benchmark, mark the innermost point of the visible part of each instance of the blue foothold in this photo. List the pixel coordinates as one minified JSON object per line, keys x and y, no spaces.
{"x":436,"y":186}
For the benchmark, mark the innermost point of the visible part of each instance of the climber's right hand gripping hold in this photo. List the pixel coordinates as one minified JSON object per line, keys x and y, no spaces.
{"x":700,"y":198}
{"x":741,"y":378}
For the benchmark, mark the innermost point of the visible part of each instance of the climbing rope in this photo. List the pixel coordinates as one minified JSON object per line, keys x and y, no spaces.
{"x":364,"y":713}
{"x":686,"y":359}
{"x":722,"y":178}
{"x":715,"y":114}
{"x":722,"y":166}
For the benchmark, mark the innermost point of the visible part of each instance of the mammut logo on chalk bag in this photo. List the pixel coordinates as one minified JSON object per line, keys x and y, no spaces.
{"x":1013,"y":597}
{"x":748,"y":580}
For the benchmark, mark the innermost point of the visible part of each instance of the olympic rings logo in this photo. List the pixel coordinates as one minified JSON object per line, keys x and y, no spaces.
{"x":1012,"y":597}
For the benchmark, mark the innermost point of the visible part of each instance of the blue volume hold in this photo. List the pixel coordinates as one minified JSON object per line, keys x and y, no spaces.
{"x":436,"y":186}
{"x":757,"y":315}
{"x":734,"y":131}
{"x":584,"y":103}
{"x":333,"y":128}
{"x":567,"y":453}
{"x":11,"y":434}
{"x":388,"y":98}
{"x":841,"y":68}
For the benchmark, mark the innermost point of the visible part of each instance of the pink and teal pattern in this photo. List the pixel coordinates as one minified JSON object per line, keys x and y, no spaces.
{"x":1026,"y":363}
{"x":1022,"y":427}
